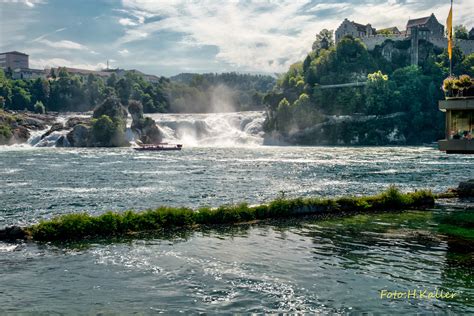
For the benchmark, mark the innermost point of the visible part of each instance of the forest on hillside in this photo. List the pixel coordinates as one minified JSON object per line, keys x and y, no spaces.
{"x":392,"y":86}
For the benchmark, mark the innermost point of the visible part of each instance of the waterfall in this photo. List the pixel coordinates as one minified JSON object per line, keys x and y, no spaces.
{"x":212,"y":129}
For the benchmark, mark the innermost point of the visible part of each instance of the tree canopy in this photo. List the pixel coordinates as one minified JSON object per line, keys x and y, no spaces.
{"x":391,"y":85}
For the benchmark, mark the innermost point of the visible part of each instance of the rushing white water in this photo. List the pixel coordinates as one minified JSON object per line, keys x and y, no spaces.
{"x":214,"y":129}
{"x":35,"y":137}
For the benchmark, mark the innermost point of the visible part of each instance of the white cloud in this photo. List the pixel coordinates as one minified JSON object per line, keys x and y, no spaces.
{"x":28,"y":3}
{"x":269,"y":36}
{"x":60,"y":62}
{"x":32,"y":3}
{"x":127,"y":22}
{"x":64,"y":44}
{"x":46,"y":34}
{"x":132,"y":35}
{"x":124,"y":52}
{"x":245,"y":38}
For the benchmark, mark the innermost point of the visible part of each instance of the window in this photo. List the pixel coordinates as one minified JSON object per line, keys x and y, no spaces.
{"x":461,"y":124}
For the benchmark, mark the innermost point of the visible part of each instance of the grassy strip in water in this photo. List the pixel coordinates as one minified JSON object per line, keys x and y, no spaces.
{"x":457,"y":224}
{"x":82,"y":226}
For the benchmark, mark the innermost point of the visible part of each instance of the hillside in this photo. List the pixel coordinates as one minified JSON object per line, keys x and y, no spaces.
{"x":301,"y":110}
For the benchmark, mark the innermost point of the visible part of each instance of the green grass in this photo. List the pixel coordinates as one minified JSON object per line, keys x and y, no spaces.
{"x":72,"y":227}
{"x":457,"y":224}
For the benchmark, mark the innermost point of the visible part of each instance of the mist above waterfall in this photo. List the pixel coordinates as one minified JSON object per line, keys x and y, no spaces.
{"x":214,"y":99}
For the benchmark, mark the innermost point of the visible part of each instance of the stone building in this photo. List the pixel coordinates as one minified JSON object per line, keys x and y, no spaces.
{"x":389,"y":31}
{"x":427,"y":27}
{"x":354,"y":29}
{"x":27,"y":73}
{"x":13,"y":60}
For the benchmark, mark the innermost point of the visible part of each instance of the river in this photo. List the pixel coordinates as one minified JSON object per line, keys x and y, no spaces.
{"x":331,"y":266}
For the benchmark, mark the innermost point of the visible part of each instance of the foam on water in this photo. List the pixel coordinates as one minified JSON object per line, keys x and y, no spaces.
{"x":232,"y":129}
{"x":215,"y":129}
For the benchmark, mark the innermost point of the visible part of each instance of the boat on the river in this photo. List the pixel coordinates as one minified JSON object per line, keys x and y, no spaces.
{"x":159,"y":147}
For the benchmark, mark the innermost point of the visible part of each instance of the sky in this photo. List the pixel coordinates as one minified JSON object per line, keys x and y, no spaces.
{"x":174,"y":36}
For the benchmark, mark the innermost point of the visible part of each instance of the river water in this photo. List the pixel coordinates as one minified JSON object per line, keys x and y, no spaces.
{"x":331,"y":266}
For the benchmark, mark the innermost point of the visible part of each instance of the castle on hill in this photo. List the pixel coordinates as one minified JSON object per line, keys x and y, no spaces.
{"x":425,"y":28}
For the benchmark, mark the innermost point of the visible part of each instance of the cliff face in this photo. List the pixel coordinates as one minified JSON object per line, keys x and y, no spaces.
{"x":350,"y":130}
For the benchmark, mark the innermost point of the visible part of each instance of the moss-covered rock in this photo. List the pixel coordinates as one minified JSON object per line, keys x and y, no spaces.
{"x":144,"y":128}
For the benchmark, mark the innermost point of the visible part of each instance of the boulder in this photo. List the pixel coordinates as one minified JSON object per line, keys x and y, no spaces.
{"x":466,"y":188}
{"x":13,"y":233}
{"x":144,"y":128}
{"x":54,"y":128}
{"x":21,"y":134}
{"x":112,"y":108}
{"x":62,"y":142}
{"x":73,"y":121}
{"x":79,"y":136}
{"x":147,"y":131}
{"x":33,"y":123}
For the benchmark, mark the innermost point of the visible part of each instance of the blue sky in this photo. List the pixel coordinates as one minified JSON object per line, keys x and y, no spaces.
{"x":169,"y":37}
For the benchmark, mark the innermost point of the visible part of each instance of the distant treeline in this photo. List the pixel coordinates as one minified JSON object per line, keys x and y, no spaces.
{"x":219,"y":92}
{"x":62,"y":91}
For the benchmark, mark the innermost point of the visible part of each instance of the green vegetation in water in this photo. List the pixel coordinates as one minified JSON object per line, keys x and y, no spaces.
{"x":407,"y":220}
{"x":83,"y":226}
{"x":457,"y":224}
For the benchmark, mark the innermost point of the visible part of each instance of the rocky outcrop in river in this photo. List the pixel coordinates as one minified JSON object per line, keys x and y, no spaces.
{"x":106,"y":128}
{"x":15,"y":128}
{"x":144,"y":128}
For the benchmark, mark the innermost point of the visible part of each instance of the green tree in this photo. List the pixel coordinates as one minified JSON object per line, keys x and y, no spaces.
{"x":112,"y":108}
{"x":379,"y":94}
{"x":460,"y":32}
{"x":21,"y":99}
{"x":468,"y":64}
{"x":105,"y":132}
{"x":109,"y":124}
{"x":5,"y":90}
{"x":352,"y":56}
{"x":40,"y":91}
{"x":304,"y":114}
{"x":283,"y":117}
{"x":39,"y":107}
{"x":124,"y":89}
{"x":324,"y":40}
{"x":112,"y":80}
{"x":94,"y":91}
{"x":458,"y":57}
{"x":409,"y":83}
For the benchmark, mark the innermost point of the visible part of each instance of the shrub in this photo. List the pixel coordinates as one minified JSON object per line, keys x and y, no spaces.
{"x":39,"y":107}
{"x":5,"y":132}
